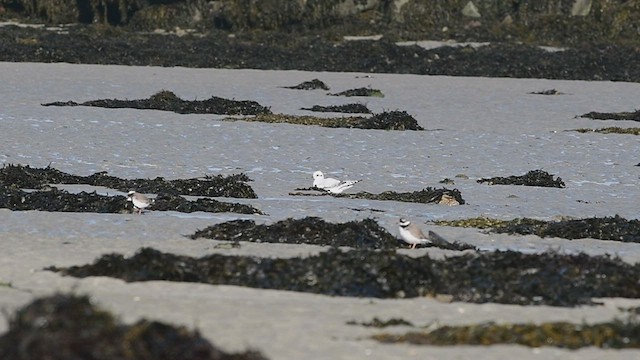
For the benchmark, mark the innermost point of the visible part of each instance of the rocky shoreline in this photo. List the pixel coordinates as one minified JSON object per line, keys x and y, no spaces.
{"x":591,"y":41}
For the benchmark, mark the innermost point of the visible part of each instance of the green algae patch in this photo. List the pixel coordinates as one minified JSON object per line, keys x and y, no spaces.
{"x":392,"y":120}
{"x":168,"y":101}
{"x":61,"y":327}
{"x":616,"y":334}
{"x":363,"y":234}
{"x":615,"y":228}
{"x":427,"y":195}
{"x":19,"y":176}
{"x":506,"y":277}
{"x":532,"y":178}
{"x":634,"y":115}
{"x":611,"y":130}
{"x":359,"y":92}
{"x":314,"y":84}
{"x":346,"y":108}
{"x":55,"y":200}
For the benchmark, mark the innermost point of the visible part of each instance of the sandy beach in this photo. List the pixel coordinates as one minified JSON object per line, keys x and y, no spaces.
{"x":475,"y":128}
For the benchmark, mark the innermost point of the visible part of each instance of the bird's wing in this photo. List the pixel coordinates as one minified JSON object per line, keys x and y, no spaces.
{"x":438,"y":240}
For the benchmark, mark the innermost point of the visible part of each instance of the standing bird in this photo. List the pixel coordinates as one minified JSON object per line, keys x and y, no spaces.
{"x":331,"y":185}
{"x":140,"y":201}
{"x":411,"y":233}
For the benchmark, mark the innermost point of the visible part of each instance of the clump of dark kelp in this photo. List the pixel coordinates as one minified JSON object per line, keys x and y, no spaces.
{"x":391,"y":120}
{"x":547,"y":92}
{"x":532,"y":178}
{"x":55,"y":200}
{"x":363,"y":234}
{"x":310,"y":230}
{"x":616,"y":334}
{"x":314,"y":84}
{"x":70,"y":327}
{"x":19,"y":176}
{"x":346,"y":108}
{"x":168,"y":101}
{"x":360,"y":92}
{"x":427,"y":195}
{"x":611,"y":130}
{"x":634,"y":116}
{"x":378,"y":323}
{"x":506,"y":277}
{"x":614,"y":228}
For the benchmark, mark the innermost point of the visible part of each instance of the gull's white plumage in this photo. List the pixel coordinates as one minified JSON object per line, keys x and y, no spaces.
{"x":330,"y":184}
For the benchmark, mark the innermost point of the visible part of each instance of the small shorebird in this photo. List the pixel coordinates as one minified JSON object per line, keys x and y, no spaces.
{"x":411,"y":233}
{"x":140,"y":201}
{"x":331,"y":185}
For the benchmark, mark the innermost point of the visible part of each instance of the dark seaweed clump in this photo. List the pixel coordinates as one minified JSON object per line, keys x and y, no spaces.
{"x":394,"y":120}
{"x":391,"y":120}
{"x":62,"y":327}
{"x":532,"y":178}
{"x":59,"y":200}
{"x":425,"y":196}
{"x":53,"y":199}
{"x":611,"y":130}
{"x":309,"y":85}
{"x":607,"y":228}
{"x":377,"y":323}
{"x":346,"y":108}
{"x":635,"y":115}
{"x":18,"y":176}
{"x":615,"y":334}
{"x":167,"y":202}
{"x":168,"y":101}
{"x":310,"y":230}
{"x":502,"y":277}
{"x":547,"y":92}
{"x":360,"y":92}
{"x":364,"y":234}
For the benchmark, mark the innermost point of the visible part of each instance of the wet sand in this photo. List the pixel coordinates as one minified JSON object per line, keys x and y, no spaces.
{"x":476,"y":127}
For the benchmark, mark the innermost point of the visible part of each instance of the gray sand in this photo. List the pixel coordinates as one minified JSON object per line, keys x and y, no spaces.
{"x":477,"y":127}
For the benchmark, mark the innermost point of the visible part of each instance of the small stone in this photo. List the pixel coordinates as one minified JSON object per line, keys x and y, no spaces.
{"x":470,"y":10}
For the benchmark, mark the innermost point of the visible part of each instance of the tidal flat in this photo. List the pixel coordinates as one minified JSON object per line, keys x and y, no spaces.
{"x":474,"y":128}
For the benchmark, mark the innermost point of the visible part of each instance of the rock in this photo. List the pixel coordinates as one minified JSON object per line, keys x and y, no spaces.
{"x":470,"y":10}
{"x":581,"y":8}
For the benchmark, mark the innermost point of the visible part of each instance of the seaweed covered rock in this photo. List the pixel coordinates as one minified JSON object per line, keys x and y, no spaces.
{"x":168,"y":101}
{"x":611,"y":130}
{"x":428,"y":195}
{"x":59,"y":200}
{"x":616,"y":334}
{"x":168,"y":202}
{"x":309,"y":85}
{"x":53,"y":199}
{"x":532,"y":178}
{"x":360,"y":92}
{"x":310,"y":230}
{"x":62,"y":327}
{"x":18,"y":176}
{"x":391,"y":120}
{"x":365,"y":234}
{"x":607,"y":228}
{"x":634,"y":116}
{"x":614,"y":228}
{"x":503,"y":276}
{"x":394,"y":120}
{"x":346,"y":108}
